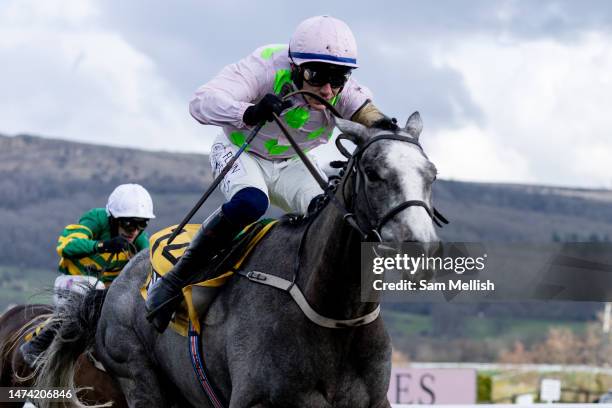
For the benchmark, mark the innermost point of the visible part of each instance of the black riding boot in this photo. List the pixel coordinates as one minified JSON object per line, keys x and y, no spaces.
{"x":35,"y":347}
{"x":165,"y":294}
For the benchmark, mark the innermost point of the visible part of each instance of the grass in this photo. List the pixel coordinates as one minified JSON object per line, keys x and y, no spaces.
{"x":504,"y":329}
{"x":25,"y":285}
{"x":511,"y":329}
{"x":406,"y":324}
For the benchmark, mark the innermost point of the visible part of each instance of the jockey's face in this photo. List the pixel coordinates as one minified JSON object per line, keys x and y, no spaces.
{"x":325,"y":91}
{"x":130,"y":228}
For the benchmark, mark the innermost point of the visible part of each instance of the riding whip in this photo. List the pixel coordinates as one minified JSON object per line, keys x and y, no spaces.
{"x":230,"y":164}
{"x":216,"y":181}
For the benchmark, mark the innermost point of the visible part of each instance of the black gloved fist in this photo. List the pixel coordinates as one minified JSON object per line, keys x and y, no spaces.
{"x":117,"y":244}
{"x":386,"y":123}
{"x":263,"y":109}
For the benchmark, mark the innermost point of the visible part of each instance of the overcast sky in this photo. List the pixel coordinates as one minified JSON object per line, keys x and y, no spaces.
{"x":512,"y":91}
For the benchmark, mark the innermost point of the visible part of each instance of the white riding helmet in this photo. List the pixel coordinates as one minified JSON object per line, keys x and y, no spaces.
{"x":323,"y":39}
{"x":130,"y":200}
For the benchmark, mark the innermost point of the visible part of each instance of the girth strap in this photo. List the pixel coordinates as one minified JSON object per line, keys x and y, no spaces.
{"x":195,"y":344}
{"x":299,"y":298}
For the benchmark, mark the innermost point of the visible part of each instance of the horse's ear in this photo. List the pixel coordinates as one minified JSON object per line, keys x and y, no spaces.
{"x":414,"y":125}
{"x":358,"y":132}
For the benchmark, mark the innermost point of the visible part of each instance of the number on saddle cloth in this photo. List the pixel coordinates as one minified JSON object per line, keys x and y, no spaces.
{"x":163,"y":257}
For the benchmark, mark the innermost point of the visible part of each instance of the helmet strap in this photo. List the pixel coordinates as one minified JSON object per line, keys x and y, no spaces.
{"x":296,"y":76}
{"x":296,"y":72}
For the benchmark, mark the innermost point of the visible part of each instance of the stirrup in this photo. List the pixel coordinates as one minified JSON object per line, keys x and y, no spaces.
{"x":161,"y":315}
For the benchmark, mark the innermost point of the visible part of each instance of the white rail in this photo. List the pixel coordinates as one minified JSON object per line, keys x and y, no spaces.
{"x":542,"y":368}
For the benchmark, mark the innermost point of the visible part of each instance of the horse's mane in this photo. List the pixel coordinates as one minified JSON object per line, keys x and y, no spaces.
{"x":12,"y":341}
{"x":77,"y":317}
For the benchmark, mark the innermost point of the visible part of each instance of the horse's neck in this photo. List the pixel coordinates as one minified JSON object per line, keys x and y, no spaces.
{"x":330,"y":272}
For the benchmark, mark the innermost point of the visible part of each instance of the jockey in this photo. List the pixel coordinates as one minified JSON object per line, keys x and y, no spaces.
{"x":320,"y":58}
{"x":96,"y":249}
{"x":104,"y":240}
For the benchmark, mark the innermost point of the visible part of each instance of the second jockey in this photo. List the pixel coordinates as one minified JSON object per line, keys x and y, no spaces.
{"x":95,"y":250}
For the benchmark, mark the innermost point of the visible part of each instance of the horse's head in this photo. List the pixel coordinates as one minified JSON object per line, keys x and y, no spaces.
{"x":392,"y":181}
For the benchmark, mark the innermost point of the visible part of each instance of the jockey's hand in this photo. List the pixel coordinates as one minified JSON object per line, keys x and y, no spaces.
{"x":386,"y":123}
{"x":263,"y":109}
{"x":117,"y":244}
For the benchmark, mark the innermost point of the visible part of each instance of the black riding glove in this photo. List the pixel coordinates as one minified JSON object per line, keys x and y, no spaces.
{"x":263,"y":109}
{"x":386,"y":123}
{"x":117,"y":244}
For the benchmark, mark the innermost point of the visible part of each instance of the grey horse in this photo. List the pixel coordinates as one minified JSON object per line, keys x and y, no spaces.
{"x":258,"y":346}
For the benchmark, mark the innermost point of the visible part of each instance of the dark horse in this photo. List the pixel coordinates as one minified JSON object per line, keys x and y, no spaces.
{"x":259,"y":347}
{"x":15,"y":323}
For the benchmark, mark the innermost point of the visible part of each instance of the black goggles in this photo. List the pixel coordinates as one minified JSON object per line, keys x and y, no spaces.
{"x":320,"y":75}
{"x":133,"y":223}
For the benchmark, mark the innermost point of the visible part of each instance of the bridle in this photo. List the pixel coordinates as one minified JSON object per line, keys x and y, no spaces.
{"x":356,"y":172}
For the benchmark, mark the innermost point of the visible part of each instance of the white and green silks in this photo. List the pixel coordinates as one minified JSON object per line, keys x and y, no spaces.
{"x":223,"y":100}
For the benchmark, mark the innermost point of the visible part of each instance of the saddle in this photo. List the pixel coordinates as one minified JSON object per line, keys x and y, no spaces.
{"x":198,"y":295}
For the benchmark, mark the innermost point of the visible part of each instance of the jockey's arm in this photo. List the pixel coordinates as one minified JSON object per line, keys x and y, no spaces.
{"x":223,"y":100}
{"x":78,"y":240}
{"x":368,"y":114}
{"x":355,"y":103}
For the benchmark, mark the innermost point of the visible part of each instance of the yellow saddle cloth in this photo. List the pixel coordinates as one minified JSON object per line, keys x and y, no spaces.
{"x":163,"y":257}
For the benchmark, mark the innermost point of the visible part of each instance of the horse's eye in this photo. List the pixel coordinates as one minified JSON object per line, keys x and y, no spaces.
{"x":372,"y":175}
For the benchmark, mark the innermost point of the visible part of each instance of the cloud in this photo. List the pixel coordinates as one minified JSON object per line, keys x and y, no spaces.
{"x":32,"y":12}
{"x":73,"y":79}
{"x":508,"y":83}
{"x":545,"y":101}
{"x":471,"y":154}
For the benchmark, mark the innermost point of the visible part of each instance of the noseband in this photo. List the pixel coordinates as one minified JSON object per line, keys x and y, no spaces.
{"x":357,"y":173}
